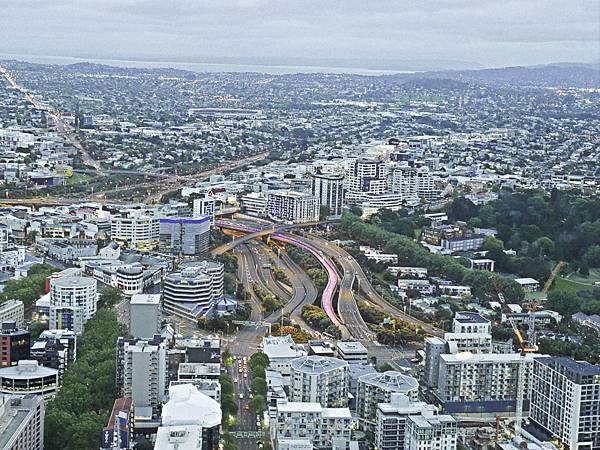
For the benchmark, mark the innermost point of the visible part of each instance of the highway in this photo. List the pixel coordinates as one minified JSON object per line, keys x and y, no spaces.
{"x":365,"y":286}
{"x":347,"y":306}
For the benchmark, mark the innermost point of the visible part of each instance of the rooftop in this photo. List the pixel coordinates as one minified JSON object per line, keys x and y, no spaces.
{"x":188,"y":406}
{"x":391,"y":381}
{"x":317,"y":364}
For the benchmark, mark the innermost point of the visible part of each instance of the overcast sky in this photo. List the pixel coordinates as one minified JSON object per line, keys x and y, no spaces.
{"x":490,"y":32}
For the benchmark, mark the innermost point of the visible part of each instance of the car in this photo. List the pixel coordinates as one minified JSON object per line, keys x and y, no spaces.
{"x":245,"y":374}
{"x":241,"y":396}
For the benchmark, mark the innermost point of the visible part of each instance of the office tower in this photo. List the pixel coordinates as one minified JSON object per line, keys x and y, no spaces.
{"x":204,"y":205}
{"x":22,"y":422}
{"x":292,"y":206}
{"x":328,"y":188}
{"x":192,"y":292}
{"x":565,"y":401}
{"x":377,"y":388}
{"x":144,"y":315}
{"x":391,"y":420}
{"x":189,"y":236}
{"x":13,"y":310}
{"x":139,"y":231}
{"x":428,"y":431}
{"x":72,"y":302}
{"x":324,"y":427}
{"x":189,"y":419}
{"x":28,"y":377}
{"x":319,"y":379}
{"x":14,"y":344}
{"x":142,"y":373}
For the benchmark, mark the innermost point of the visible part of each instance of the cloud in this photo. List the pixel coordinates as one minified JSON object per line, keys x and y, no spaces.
{"x":489,"y":31}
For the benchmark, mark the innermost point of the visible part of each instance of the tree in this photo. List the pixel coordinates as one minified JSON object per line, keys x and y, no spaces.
{"x":324,"y":212}
{"x":259,"y":386}
{"x":257,"y":404}
{"x":109,"y":297}
{"x":259,"y":358}
{"x":227,"y":357}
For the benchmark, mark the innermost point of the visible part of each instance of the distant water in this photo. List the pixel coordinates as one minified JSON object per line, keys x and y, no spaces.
{"x":199,"y":67}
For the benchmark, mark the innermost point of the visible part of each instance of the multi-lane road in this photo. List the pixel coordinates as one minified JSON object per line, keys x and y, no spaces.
{"x":353,"y":324}
{"x":246,"y":420}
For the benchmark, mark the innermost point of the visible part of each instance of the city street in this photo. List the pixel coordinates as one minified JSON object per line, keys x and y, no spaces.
{"x":247,"y":421}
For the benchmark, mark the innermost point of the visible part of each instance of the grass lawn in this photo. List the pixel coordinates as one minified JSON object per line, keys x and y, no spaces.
{"x":562,"y":284}
{"x":77,"y":178}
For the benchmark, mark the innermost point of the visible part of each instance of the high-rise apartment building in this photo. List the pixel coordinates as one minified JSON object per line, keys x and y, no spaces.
{"x":142,"y":373}
{"x":377,"y":388}
{"x":565,"y":401}
{"x":13,"y":310}
{"x":391,"y":418}
{"x":319,"y":379}
{"x":367,"y":176}
{"x":323,"y":427}
{"x":139,"y":231}
{"x":328,"y":188}
{"x":72,"y":302}
{"x":22,"y":422}
{"x":204,"y":205}
{"x":428,"y":431}
{"x":483,"y":382}
{"x":413,"y":184}
{"x":292,"y":206}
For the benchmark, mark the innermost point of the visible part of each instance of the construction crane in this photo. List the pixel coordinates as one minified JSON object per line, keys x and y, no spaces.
{"x":526,"y":345}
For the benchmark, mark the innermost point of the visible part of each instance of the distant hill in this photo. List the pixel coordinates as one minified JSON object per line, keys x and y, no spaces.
{"x":435,"y":83}
{"x":553,"y":75}
{"x":89,"y":67}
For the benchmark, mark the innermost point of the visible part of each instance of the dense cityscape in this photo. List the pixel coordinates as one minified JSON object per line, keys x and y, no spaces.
{"x":299,"y":261}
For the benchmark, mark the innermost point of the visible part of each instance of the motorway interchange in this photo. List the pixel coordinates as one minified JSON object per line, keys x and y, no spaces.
{"x":347,"y":282}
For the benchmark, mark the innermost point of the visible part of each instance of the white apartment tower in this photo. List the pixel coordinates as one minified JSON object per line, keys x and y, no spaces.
{"x":292,"y":206}
{"x":72,"y":302}
{"x":428,"y":431}
{"x":390,"y":430}
{"x":319,"y":379}
{"x":142,"y":373}
{"x":328,"y":188}
{"x":22,"y":422}
{"x":368,"y":176}
{"x":323,"y":427}
{"x":565,"y":401}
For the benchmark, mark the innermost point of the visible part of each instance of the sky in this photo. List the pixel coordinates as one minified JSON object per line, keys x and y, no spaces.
{"x":491,"y":33}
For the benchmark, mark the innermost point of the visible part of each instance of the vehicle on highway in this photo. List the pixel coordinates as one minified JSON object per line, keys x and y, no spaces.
{"x":241,"y":396}
{"x":245,"y":374}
